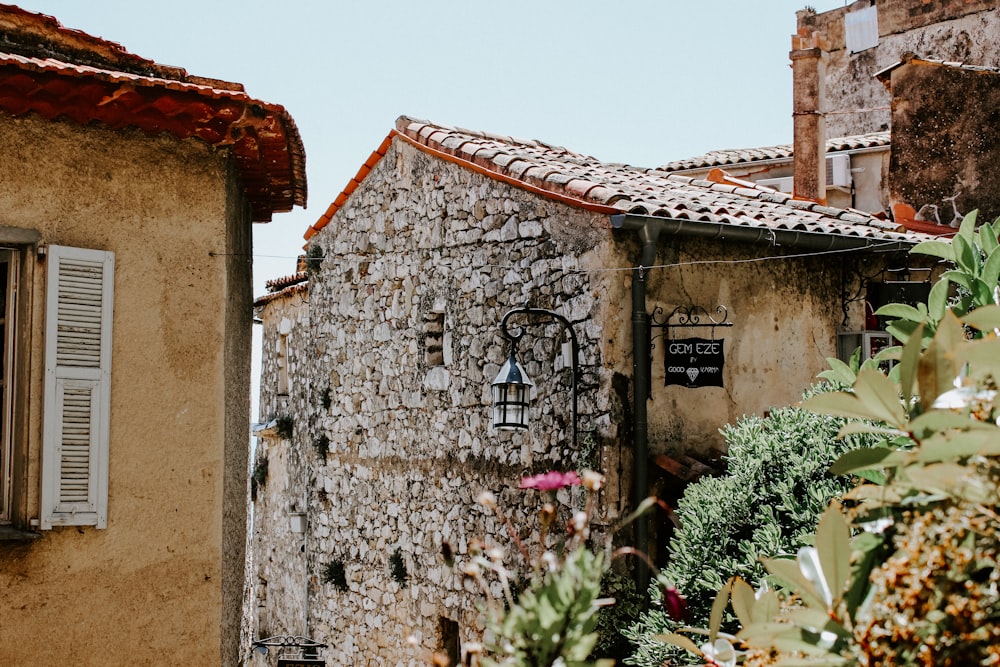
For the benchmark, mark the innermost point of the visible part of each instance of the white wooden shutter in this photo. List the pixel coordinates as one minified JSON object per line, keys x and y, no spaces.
{"x":79,"y":306}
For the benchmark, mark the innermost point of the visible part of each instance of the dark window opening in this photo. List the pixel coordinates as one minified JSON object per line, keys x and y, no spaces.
{"x":434,"y":339}
{"x":451,"y":644}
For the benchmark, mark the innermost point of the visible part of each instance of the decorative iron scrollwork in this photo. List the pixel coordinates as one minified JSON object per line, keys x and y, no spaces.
{"x":690,"y":316}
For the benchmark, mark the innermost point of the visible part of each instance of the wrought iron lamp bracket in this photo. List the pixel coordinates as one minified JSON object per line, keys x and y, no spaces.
{"x":514,"y":336}
{"x":689,"y":317}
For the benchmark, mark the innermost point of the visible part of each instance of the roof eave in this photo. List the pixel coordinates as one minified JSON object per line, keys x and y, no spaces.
{"x":265,"y":142}
{"x":795,"y":239}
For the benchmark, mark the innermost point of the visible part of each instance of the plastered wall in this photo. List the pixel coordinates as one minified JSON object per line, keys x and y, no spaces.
{"x":150,"y":588}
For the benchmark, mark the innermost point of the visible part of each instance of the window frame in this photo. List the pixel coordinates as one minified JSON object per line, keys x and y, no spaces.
{"x":8,"y":328}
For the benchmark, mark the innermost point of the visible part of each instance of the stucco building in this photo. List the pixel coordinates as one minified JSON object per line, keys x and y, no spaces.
{"x":126,"y":204}
{"x":379,"y":356}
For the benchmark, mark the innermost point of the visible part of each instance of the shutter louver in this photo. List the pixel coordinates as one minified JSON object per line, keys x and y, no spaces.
{"x":77,"y":389}
{"x":78,"y":338}
{"x":74,"y":459}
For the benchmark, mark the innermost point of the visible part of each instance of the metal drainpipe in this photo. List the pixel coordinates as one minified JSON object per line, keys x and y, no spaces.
{"x":641,"y":382}
{"x":649,"y":229}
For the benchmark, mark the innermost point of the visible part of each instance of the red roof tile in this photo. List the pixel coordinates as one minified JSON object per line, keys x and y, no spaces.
{"x":289,"y":290}
{"x":124,"y":90}
{"x":276,"y":284}
{"x":582,"y":181}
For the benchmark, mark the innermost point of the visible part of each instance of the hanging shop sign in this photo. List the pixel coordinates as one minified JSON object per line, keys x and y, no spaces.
{"x":694,"y":362}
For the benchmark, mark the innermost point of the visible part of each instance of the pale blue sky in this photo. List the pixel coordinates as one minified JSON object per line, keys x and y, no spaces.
{"x":635,"y":81}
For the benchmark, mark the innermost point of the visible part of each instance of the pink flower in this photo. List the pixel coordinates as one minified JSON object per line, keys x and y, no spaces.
{"x":551,"y":480}
{"x":674,"y":604}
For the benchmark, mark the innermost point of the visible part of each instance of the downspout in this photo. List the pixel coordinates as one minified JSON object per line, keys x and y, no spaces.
{"x":641,"y":389}
{"x":649,"y":229}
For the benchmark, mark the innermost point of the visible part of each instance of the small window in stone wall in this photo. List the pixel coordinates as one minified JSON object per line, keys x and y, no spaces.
{"x":434,"y":339}
{"x":451,"y":645}
{"x":284,"y":329}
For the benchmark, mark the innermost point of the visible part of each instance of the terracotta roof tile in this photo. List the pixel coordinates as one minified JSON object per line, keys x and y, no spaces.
{"x":582,"y":181}
{"x":883,"y":75}
{"x":287,"y":290}
{"x":263,"y":138}
{"x":284,"y":281}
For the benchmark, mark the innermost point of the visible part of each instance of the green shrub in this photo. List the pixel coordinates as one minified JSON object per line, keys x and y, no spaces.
{"x":259,"y":476}
{"x":284,"y":427}
{"x":611,"y":643}
{"x":768,"y":503}
{"x":322,"y":445}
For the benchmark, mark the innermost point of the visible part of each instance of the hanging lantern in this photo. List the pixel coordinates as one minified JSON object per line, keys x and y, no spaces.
{"x":511,"y":390}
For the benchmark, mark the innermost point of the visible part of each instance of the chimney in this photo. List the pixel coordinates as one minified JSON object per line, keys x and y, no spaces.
{"x":808,"y":102}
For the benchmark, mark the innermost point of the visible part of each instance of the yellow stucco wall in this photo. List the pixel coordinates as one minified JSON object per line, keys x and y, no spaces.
{"x":154,"y":587}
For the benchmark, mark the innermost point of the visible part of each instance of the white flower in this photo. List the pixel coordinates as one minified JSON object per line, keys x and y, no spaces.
{"x":720,"y":653}
{"x":827,"y":639}
{"x":592,"y":481}
{"x":878,"y":526}
{"x":487,"y":499}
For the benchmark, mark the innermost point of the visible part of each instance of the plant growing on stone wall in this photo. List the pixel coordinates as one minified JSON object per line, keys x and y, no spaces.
{"x":284,"y":426}
{"x":333,"y":573}
{"x":397,"y":568}
{"x":322,"y":445}
{"x":327,"y":398}
{"x":259,"y":476}
{"x":314,"y":260}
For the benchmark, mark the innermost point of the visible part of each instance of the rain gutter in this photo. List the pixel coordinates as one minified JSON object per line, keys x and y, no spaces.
{"x":649,"y":229}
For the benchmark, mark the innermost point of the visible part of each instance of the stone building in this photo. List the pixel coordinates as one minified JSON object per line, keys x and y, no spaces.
{"x":126,"y":203}
{"x":378,"y":361}
{"x":867,"y":36}
{"x":839,"y":58}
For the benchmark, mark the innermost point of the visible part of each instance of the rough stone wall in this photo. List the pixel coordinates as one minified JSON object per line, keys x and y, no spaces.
{"x":426,"y":254}
{"x":278,"y":579}
{"x":946,"y":144}
{"x":937,"y":29}
{"x":423,"y":243}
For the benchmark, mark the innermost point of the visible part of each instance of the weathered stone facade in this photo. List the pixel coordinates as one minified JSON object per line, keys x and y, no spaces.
{"x":938,"y":29}
{"x":410,"y":445}
{"x":390,"y":363}
{"x":946,"y":139}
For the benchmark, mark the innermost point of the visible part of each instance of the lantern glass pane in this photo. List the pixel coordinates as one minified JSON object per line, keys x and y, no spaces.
{"x":510,"y":406}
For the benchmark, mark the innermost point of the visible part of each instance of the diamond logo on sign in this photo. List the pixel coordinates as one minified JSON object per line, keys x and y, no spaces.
{"x":694,"y":362}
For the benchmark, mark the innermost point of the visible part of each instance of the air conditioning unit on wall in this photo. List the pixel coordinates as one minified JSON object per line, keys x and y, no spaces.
{"x":838,"y":171}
